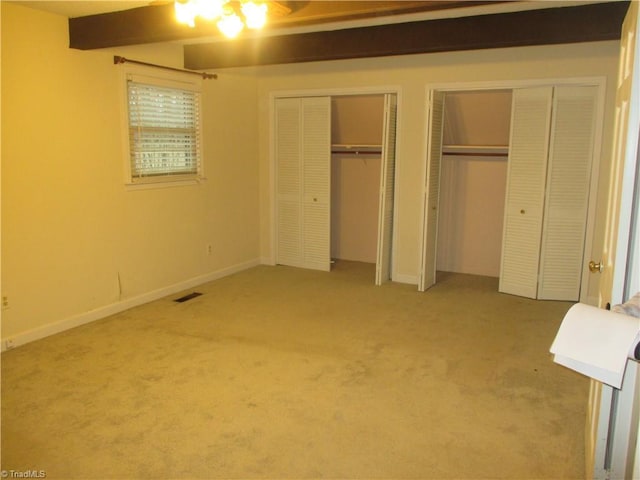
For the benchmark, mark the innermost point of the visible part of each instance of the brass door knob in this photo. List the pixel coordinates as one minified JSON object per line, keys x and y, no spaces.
{"x":595,"y":267}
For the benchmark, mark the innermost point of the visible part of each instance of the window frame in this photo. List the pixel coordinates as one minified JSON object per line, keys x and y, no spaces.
{"x":161,"y":79}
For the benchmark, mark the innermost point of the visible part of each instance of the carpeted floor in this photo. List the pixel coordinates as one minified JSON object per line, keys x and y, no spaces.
{"x":283,"y":373}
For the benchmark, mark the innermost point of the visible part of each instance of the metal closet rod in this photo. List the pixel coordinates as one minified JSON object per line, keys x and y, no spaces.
{"x":117,"y":59}
{"x":356,"y":152}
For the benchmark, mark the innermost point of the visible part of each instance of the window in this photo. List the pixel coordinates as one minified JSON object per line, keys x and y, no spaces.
{"x":163,"y":130}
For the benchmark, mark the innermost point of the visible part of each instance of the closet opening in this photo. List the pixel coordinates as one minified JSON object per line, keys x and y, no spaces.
{"x":473,"y":180}
{"x":356,"y":159}
{"x":335,"y":175}
{"x":527,"y":217}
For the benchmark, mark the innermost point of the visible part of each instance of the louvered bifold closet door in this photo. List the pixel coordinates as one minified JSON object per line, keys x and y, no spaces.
{"x":316,"y":173}
{"x":528,"y":150}
{"x":385,"y":209}
{"x":288,"y":181}
{"x":568,"y":181}
{"x":435,"y":130}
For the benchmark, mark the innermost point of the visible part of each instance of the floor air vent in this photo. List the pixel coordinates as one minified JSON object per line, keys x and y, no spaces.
{"x":187,"y":297}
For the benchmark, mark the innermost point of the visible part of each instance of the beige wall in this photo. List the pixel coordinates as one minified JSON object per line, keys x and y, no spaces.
{"x":410,"y":75}
{"x":355,"y":193}
{"x":477,"y":118}
{"x":74,"y":240}
{"x":472,"y":196}
{"x":357,"y":120}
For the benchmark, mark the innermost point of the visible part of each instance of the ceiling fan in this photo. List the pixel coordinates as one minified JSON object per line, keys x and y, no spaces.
{"x":231,"y":16}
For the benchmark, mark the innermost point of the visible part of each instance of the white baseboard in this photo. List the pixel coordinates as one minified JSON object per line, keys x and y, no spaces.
{"x":107,"y":310}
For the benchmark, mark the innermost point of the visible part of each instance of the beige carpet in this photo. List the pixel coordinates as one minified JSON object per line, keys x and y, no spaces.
{"x":279,"y":373}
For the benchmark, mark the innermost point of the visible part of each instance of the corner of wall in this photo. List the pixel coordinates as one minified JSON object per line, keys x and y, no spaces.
{"x":120,"y":306}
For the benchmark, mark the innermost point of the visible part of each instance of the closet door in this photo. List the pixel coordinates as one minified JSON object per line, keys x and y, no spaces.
{"x":432,"y":189}
{"x":288,"y":181}
{"x":316,"y":175}
{"x":385,"y":209}
{"x":528,"y":151}
{"x":568,"y":180}
{"x":302,"y":150}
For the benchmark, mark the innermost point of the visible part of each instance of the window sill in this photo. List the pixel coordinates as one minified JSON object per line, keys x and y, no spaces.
{"x":164,"y":183}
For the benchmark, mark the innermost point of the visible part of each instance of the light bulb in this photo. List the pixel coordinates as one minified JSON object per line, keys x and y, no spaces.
{"x":210,"y":9}
{"x":185,"y":12}
{"x":255,"y":14}
{"x":230,"y":25}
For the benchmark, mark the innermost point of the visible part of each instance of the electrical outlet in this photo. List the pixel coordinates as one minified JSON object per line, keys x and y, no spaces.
{"x":209,"y":249}
{"x":5,"y":302}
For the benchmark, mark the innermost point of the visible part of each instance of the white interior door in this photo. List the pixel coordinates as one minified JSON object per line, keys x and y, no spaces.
{"x":303,"y":177}
{"x":526,"y":179}
{"x":385,"y":209}
{"x":624,"y":160}
{"x":435,"y":128}
{"x":612,"y":456}
{"x":567,"y":192}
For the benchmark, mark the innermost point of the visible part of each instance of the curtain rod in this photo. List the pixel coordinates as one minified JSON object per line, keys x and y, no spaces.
{"x":117,"y":59}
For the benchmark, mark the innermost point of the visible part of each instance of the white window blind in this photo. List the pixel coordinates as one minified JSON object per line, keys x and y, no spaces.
{"x":164,"y":131}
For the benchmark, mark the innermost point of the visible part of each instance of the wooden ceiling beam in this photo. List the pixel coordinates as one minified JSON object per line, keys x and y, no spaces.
{"x":129,"y":27}
{"x":587,"y":23}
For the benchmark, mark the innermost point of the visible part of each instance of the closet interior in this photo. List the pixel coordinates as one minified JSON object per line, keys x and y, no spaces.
{"x":473,"y":179}
{"x":356,"y":155}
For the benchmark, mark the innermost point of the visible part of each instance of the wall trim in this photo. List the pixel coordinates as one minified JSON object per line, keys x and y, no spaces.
{"x":120,"y":306}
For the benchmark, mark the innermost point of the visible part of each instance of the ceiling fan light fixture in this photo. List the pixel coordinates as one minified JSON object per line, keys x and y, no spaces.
{"x":185,"y":12}
{"x":230,"y":25}
{"x":255,"y":14}
{"x":232,"y":15}
{"x":210,"y":9}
